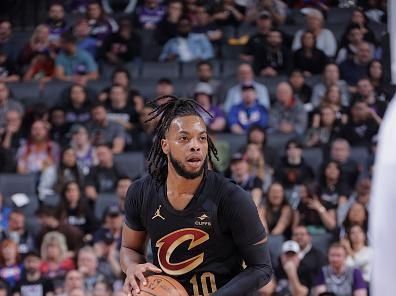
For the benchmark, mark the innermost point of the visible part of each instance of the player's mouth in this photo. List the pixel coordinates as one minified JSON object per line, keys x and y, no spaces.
{"x":195,"y":161}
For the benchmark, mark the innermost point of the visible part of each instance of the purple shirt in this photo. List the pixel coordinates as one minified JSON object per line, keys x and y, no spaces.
{"x":150,"y":16}
{"x":357,"y":280}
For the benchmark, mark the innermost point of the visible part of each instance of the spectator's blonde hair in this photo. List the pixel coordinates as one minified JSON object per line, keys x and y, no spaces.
{"x":54,"y":237}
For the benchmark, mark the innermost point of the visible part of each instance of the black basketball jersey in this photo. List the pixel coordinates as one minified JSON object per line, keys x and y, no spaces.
{"x":198,"y":246}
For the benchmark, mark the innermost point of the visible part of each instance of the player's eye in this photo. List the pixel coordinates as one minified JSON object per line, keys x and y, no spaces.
{"x":203,"y":138}
{"x":183,"y":138}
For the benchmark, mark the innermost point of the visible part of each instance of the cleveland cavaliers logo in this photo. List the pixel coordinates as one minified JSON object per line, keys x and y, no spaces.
{"x":169,"y":243}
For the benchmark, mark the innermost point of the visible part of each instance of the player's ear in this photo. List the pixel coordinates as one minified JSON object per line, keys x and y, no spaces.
{"x":165,"y":146}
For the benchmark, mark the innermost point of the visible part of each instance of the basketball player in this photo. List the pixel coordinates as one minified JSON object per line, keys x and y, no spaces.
{"x":201,"y":225}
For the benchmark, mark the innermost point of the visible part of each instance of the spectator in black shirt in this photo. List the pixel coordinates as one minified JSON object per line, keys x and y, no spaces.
{"x":362,"y":126}
{"x":205,"y":25}
{"x":241,"y":175}
{"x":292,"y":169}
{"x":309,"y":58}
{"x":302,"y":91}
{"x":75,"y":210}
{"x":8,"y":69}
{"x":167,"y":27}
{"x":56,"y":21}
{"x":258,"y":42}
{"x":375,"y":73}
{"x":318,"y":215}
{"x":103,"y":177}
{"x":33,"y":283}
{"x":365,"y":91}
{"x":77,"y":106}
{"x":122,"y":47}
{"x":275,"y":60}
{"x":341,"y":152}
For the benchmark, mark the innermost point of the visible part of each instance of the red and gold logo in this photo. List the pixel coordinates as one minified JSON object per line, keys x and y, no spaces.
{"x":168,"y":244}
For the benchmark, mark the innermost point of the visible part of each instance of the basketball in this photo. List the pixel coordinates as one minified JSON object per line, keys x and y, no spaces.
{"x":160,"y":285}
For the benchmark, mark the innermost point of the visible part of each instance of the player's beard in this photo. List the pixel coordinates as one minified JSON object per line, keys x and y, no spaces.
{"x":183,"y":172}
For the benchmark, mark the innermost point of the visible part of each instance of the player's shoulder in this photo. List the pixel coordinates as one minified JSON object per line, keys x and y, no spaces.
{"x":229,"y":190}
{"x":141,"y":186}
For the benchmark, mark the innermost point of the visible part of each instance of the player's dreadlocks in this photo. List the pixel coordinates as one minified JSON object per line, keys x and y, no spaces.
{"x":167,"y":112}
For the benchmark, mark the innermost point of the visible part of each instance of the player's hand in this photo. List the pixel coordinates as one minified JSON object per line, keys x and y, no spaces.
{"x":135,"y":275}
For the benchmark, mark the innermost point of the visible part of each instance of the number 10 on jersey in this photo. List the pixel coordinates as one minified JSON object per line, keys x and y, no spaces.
{"x":207,"y":283}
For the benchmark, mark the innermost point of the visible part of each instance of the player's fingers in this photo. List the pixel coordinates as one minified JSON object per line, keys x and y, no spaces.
{"x":152,"y":267}
{"x":141,"y":278}
{"x":127,"y":289}
{"x":134,"y":285}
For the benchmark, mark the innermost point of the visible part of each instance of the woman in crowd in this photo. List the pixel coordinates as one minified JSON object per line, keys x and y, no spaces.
{"x":257,"y":165}
{"x":77,"y":107}
{"x":74,"y":209}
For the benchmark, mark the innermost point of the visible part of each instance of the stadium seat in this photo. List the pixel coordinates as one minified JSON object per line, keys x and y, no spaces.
{"x":229,"y":68}
{"x":159,"y":70}
{"x":103,"y":201}
{"x":231,"y":52}
{"x":337,"y":15}
{"x":235,"y":141}
{"x":360,"y":155}
{"x":52,"y":92}
{"x":27,"y":92}
{"x":278,"y":141}
{"x":131,"y":163}
{"x":314,"y":158}
{"x":106,"y":70}
{"x":16,"y":183}
{"x":188,"y":70}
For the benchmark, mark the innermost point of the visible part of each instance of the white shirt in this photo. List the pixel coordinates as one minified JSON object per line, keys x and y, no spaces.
{"x":383,"y":207}
{"x":363,"y":261}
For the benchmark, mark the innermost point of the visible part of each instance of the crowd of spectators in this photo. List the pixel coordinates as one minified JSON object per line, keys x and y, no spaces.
{"x":330,"y":96}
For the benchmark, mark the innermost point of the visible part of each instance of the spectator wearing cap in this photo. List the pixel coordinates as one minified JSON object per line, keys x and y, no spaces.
{"x":33,"y":281}
{"x":288,"y":116}
{"x":246,"y":77}
{"x":362,"y":126}
{"x":104,"y":131}
{"x":203,"y":95}
{"x":257,"y":43}
{"x":112,"y":222}
{"x":325,"y":39}
{"x":106,"y":250}
{"x":101,"y":25}
{"x":355,"y":68}
{"x":292,"y":169}
{"x":122,"y":47}
{"x":205,"y":75}
{"x":104,"y":176}
{"x":276,"y":9}
{"x":186,"y":46}
{"x":275,"y":60}
{"x":48,"y":220}
{"x":74,"y":64}
{"x":249,"y":112}
{"x":239,"y":168}
{"x":337,"y":277}
{"x":288,"y":273}
{"x":87,"y":264}
{"x":85,"y":41}
{"x":85,"y":151}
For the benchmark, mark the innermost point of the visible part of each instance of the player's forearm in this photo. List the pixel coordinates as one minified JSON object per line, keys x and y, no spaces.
{"x":257,"y":274}
{"x":129,"y":257}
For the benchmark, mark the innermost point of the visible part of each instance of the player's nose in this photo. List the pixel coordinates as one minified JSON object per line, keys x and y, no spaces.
{"x":195,"y":145}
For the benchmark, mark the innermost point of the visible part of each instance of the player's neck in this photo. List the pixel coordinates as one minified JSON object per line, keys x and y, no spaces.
{"x":179,"y":185}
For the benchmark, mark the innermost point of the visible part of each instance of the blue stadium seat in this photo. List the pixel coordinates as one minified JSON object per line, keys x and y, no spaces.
{"x":278,"y":141}
{"x":131,"y":163}
{"x":52,"y":92}
{"x":26,"y":92}
{"x":337,"y":15}
{"x":360,"y":155}
{"x":103,"y":202}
